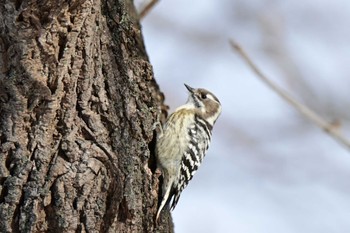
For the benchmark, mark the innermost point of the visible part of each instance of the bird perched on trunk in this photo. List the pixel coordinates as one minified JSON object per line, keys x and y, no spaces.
{"x":181,"y":147}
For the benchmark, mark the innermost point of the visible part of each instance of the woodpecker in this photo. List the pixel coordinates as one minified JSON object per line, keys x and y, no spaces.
{"x":182,"y":145}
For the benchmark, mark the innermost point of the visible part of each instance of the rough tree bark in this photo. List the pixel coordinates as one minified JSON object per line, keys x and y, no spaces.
{"x":77,"y":104}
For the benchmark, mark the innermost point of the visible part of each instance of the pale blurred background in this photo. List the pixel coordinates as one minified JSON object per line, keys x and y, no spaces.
{"x":268,"y":169}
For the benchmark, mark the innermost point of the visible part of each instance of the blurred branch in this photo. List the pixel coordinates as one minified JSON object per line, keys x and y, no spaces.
{"x":329,"y":128}
{"x":147,"y":8}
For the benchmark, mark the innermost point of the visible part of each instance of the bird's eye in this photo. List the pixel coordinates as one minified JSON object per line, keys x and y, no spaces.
{"x":203,"y":96}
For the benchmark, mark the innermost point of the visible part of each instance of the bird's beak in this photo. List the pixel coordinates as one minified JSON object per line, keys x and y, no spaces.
{"x":190,"y":89}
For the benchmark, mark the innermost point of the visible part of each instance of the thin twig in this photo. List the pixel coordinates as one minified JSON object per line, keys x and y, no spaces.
{"x":304,"y":110}
{"x":147,"y":8}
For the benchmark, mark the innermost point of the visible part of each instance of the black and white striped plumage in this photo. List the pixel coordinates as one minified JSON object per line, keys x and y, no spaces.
{"x":185,"y":139}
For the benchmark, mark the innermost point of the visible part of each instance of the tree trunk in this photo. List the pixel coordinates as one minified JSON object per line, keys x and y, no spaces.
{"x":77,"y":106}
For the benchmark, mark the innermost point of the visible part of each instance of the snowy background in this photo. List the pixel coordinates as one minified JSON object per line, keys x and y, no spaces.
{"x":268,"y":170}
